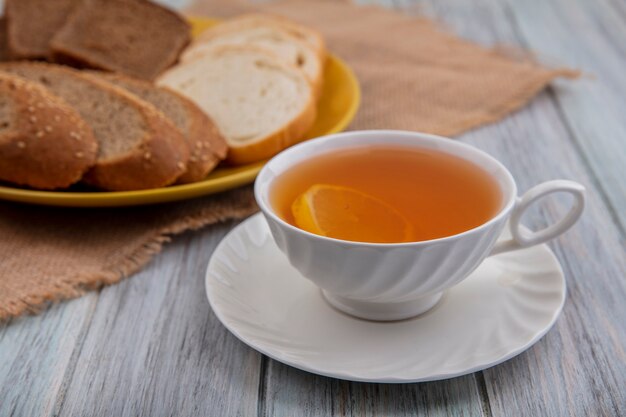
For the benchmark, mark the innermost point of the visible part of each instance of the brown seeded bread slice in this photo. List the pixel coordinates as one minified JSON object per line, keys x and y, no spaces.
{"x":33,"y":23}
{"x":139,"y":147}
{"x":137,"y":38}
{"x":38,"y":137}
{"x":206,"y":144}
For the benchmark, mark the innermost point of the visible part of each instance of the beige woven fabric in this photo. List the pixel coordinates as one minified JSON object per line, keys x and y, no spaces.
{"x":413,"y":76}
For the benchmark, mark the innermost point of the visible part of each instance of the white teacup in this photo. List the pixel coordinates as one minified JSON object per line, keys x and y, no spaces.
{"x":382,"y":281}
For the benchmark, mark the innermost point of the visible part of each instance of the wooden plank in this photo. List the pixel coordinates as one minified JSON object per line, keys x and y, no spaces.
{"x":594,"y":106}
{"x":155,"y":348}
{"x":579,"y":368}
{"x":531,"y":376}
{"x":291,"y":392}
{"x":35,"y":353}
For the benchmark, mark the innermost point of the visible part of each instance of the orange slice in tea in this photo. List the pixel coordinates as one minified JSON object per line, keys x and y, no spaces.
{"x":348,"y":214}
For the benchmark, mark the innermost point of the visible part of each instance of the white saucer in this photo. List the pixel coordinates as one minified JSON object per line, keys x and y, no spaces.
{"x":502,"y":309}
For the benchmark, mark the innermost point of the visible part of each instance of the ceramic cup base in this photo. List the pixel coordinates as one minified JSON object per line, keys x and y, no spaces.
{"x":382,"y":311}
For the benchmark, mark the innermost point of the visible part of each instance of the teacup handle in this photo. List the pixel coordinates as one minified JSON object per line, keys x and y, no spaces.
{"x":523,"y":238}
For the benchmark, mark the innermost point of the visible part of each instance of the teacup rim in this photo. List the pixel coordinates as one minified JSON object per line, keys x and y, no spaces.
{"x":269,"y":211}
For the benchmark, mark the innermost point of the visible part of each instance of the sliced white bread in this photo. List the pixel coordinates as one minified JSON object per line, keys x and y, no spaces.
{"x":260,"y":104}
{"x":139,"y":147}
{"x":274,"y":38}
{"x":313,"y":38}
{"x":44,"y":143}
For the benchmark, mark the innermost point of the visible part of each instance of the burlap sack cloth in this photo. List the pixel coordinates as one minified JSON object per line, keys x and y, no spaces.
{"x":413,"y":76}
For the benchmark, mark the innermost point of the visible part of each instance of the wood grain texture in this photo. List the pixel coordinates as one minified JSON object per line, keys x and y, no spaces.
{"x":593,"y":108}
{"x":291,"y":392}
{"x":151,"y":345}
{"x":529,"y":143}
{"x":579,"y":368}
{"x":155,"y":348}
{"x":35,"y":354}
{"x":148,"y":346}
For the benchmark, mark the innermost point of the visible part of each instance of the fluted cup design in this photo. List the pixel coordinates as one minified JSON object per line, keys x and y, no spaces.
{"x":398,"y":281}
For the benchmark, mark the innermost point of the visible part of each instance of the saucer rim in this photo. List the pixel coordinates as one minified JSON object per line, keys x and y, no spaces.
{"x":346,"y":375}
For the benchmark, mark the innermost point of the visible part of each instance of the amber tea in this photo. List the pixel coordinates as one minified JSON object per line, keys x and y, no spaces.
{"x":386,"y":194}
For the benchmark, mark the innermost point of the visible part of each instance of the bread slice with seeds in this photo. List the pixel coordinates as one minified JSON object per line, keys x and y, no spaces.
{"x":138,"y":37}
{"x":139,"y":147}
{"x":260,"y":105}
{"x":31,"y":24}
{"x":44,"y":143}
{"x":206,"y":144}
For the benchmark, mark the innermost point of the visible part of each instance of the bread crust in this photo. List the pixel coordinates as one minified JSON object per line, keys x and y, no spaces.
{"x":157,"y":162}
{"x":206,"y":144}
{"x":159,"y":158}
{"x":17,"y":50}
{"x":287,"y":135}
{"x":47,"y":145}
{"x":282,"y":138}
{"x":313,"y":37}
{"x":270,"y":145}
{"x":202,"y":131}
{"x":65,"y":51}
{"x":197,"y":47}
{"x":4,"y":52}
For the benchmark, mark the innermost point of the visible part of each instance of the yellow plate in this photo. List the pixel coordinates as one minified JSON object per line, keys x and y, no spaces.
{"x":336,"y":109}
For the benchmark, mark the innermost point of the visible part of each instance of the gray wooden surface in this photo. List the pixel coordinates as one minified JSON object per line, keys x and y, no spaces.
{"x":151,"y":345}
